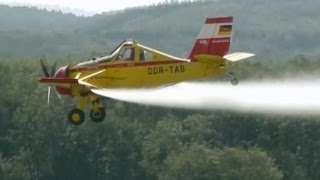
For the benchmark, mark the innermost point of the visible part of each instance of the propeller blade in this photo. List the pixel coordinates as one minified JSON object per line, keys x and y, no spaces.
{"x":53,"y":69}
{"x":58,"y":94}
{"x":49,"y":92}
{"x":44,"y":68}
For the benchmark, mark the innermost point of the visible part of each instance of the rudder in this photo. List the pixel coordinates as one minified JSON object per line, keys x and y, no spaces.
{"x":214,"y":37}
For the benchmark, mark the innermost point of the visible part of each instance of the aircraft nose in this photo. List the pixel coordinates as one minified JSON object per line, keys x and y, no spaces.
{"x":62,"y":72}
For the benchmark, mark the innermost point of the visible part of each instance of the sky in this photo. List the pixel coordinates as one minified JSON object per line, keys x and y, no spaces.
{"x":89,"y":6}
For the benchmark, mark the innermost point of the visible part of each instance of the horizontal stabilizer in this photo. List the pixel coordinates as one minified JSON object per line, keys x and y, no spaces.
{"x":238,"y":56}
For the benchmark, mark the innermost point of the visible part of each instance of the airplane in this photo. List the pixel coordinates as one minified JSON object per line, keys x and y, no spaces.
{"x":133,"y":65}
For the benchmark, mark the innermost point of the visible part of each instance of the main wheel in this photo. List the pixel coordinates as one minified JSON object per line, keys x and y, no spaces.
{"x":76,"y":116}
{"x":98,"y":116}
{"x":234,"y":81}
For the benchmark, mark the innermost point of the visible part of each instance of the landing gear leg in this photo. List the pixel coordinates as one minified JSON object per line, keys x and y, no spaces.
{"x":97,"y":114}
{"x":229,"y":72}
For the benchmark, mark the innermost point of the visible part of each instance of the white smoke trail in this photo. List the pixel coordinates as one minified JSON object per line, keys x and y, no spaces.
{"x":291,"y":97}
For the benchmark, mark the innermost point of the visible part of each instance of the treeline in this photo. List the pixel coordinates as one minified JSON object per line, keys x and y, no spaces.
{"x":144,"y":142}
{"x":267,"y":28}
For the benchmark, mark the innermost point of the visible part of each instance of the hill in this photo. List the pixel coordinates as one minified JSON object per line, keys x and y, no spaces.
{"x":268,"y":28}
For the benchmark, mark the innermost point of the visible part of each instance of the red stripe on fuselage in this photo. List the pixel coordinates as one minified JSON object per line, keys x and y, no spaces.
{"x":125,"y":64}
{"x":59,"y":80}
{"x":216,"y":20}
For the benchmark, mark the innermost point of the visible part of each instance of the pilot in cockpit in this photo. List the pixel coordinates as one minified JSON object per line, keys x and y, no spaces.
{"x":127,"y":54}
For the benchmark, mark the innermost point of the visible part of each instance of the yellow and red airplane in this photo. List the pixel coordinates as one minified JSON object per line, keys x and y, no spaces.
{"x":133,"y":65}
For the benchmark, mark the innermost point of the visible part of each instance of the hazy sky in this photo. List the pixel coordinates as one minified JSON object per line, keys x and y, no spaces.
{"x":96,"y":6}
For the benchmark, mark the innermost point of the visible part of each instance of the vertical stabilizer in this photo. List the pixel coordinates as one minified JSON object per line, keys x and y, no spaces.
{"x":214,"y":37}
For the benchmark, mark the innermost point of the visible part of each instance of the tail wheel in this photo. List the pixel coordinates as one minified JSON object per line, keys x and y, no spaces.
{"x":98,"y":116}
{"x":76,"y":116}
{"x":234,"y":81}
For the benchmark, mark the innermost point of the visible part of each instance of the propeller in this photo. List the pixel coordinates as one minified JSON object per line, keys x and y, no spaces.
{"x":47,"y":75}
{"x":53,"y":69}
{"x":44,"y":68}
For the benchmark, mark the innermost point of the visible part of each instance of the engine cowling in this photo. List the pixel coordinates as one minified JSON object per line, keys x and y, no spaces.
{"x":62,"y":73}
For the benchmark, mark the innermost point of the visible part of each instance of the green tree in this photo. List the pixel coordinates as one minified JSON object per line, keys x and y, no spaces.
{"x":3,"y":168}
{"x":199,"y":162}
{"x":163,"y":140}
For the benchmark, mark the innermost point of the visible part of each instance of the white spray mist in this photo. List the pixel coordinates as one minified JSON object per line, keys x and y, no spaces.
{"x":290,"y":96}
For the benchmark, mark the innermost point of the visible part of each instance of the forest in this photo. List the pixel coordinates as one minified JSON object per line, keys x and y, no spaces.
{"x":146,"y":142}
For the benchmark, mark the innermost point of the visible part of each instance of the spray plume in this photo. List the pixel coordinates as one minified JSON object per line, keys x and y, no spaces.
{"x":293,"y":97}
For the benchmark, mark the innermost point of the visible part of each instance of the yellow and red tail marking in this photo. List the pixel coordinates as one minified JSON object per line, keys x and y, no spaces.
{"x":214,"y":37}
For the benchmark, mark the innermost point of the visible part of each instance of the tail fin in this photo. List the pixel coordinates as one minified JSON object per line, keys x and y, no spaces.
{"x":214,"y":37}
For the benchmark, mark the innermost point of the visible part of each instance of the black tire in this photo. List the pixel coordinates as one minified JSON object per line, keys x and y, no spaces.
{"x":234,"y":81}
{"x":98,"y":116}
{"x":76,"y":116}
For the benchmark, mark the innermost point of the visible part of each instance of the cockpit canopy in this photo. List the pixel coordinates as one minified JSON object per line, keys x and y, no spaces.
{"x":130,"y":50}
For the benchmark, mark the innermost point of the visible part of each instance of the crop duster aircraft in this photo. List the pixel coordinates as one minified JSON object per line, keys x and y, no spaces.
{"x":133,"y":65}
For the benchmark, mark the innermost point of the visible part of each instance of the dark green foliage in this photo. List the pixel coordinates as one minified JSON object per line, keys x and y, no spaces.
{"x":199,"y":162}
{"x":139,"y":142}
